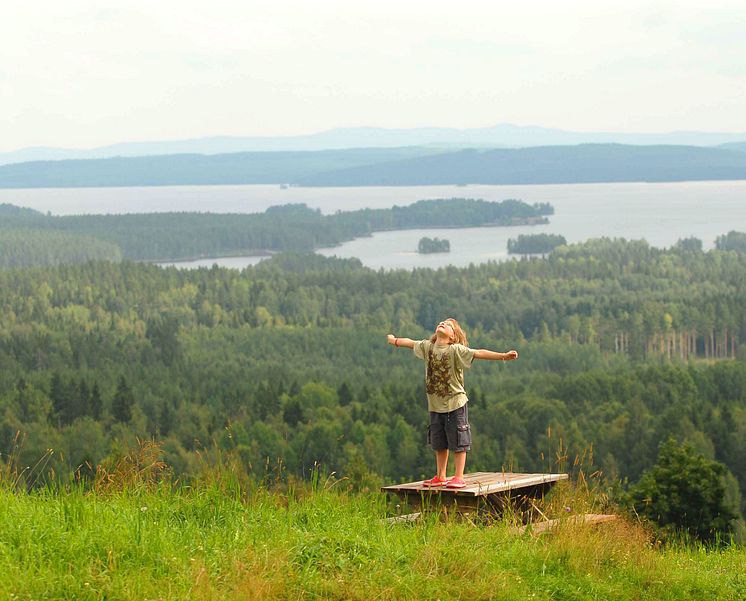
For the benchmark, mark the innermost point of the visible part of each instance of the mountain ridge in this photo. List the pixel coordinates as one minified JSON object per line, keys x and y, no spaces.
{"x":410,"y":166}
{"x":501,"y":135}
{"x":584,"y":163}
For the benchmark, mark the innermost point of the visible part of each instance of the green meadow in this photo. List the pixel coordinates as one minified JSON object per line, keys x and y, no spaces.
{"x":227,"y":539}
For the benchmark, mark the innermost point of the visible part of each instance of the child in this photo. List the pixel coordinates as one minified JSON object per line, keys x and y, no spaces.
{"x":446,"y":355}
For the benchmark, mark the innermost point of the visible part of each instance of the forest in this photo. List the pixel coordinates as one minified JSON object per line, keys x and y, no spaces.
{"x":622,"y":346}
{"x":49,"y":239}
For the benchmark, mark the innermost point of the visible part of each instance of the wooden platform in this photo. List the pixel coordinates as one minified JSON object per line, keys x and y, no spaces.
{"x":490,"y":489}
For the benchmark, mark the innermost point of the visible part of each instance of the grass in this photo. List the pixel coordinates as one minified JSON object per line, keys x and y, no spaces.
{"x":215,"y":541}
{"x":134,"y":534}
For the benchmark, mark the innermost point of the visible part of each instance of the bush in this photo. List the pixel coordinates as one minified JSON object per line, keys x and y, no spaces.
{"x":684,"y":491}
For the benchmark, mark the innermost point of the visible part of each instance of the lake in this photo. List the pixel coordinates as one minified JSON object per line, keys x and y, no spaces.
{"x":661,"y":213}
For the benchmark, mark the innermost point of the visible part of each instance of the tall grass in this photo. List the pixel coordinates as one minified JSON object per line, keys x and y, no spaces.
{"x":138,"y":536}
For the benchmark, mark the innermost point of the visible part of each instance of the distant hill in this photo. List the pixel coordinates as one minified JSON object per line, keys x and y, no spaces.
{"x":585,"y":163}
{"x":194,"y":169}
{"x":738,"y":146}
{"x":9,"y":210}
{"x":391,"y":167}
{"x":499,"y":136}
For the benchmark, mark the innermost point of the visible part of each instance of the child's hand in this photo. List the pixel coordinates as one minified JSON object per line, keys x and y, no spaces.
{"x":390,"y":338}
{"x":511,"y":355}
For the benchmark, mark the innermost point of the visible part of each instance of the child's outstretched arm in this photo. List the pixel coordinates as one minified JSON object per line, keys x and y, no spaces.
{"x":483,"y":353}
{"x":405,"y":342}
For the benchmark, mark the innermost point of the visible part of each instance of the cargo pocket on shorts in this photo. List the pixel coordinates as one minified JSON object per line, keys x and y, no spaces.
{"x":463,"y":435}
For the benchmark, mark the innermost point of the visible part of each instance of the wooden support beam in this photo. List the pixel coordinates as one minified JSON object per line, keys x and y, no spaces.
{"x":586,"y":519}
{"x":403,"y":519}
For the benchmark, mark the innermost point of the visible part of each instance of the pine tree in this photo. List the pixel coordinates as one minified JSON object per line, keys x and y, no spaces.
{"x":344,"y":394}
{"x":166,"y":419}
{"x":121,"y":405}
{"x":95,"y":404}
{"x":59,"y":393}
{"x":81,"y":404}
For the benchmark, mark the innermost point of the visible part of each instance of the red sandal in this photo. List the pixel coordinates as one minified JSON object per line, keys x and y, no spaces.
{"x":456,"y":483}
{"x":435,"y":481}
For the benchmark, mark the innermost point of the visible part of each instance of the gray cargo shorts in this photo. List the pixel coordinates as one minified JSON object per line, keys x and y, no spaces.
{"x":450,"y":430}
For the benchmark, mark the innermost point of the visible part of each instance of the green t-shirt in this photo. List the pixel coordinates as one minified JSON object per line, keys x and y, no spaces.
{"x":444,"y":374}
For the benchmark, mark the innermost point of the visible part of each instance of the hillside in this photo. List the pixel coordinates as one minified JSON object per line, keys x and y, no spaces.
{"x":739,"y":146}
{"x":621,"y":347}
{"x":258,"y":385}
{"x":587,"y":163}
{"x":219,"y":540}
{"x":193,"y":169}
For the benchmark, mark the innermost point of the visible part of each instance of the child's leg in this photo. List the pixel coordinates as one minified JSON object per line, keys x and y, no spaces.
{"x":459,"y":462}
{"x":459,"y":435}
{"x":441,"y":461}
{"x":437,"y":438}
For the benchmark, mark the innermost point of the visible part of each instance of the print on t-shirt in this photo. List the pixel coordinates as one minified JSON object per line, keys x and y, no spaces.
{"x":438,"y":369}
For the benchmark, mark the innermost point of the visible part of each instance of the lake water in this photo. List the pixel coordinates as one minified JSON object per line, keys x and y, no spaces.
{"x":661,"y":213}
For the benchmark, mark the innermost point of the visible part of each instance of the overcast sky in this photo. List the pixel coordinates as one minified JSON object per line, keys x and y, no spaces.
{"x":80,"y":74}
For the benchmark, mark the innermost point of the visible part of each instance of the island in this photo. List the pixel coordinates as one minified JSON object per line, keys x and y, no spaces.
{"x":433,"y":245}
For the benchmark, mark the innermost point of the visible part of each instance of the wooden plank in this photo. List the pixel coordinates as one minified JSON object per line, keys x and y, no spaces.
{"x":480,"y":484}
{"x":408,"y":517}
{"x":586,"y":519}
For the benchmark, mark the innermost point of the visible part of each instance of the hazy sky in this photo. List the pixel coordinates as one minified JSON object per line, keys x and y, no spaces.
{"x":79,"y":74}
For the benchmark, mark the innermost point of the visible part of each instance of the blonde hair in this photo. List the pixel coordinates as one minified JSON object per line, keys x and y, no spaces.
{"x":458,"y":333}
